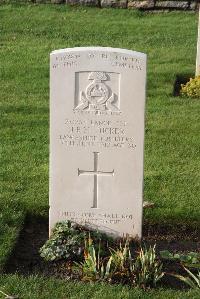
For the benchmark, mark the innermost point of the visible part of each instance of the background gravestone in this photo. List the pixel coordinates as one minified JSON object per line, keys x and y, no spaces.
{"x":96,"y":138}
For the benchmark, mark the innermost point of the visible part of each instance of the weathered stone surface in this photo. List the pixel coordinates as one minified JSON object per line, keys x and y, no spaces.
{"x":114,"y":3}
{"x":97,"y":100}
{"x":172,"y":4}
{"x":193,"y":6}
{"x":57,"y":1}
{"x":41,"y":1}
{"x":83,"y":2}
{"x":140,"y":4}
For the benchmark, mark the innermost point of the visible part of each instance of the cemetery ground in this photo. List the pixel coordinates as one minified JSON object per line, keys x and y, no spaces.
{"x":172,"y":152}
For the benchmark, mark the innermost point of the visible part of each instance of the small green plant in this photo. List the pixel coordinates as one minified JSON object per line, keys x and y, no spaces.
{"x":120,"y":263}
{"x":191,"y":259}
{"x":93,"y":267}
{"x":191,"y":88}
{"x":112,"y":268}
{"x":144,"y":271}
{"x":67,"y":242}
{"x":192,"y":280}
{"x":147,"y":269}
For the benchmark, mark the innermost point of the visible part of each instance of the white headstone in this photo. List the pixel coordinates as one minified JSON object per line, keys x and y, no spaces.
{"x":97,"y":138}
{"x":198,"y":49}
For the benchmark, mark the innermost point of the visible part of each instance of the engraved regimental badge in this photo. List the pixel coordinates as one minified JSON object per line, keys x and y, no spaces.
{"x":98,"y":95}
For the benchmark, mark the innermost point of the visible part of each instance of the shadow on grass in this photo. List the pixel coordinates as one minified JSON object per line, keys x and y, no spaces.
{"x":180,"y":79}
{"x":25,"y":257}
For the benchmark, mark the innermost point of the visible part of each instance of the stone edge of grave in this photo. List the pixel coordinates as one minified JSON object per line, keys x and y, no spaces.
{"x":159,"y":5}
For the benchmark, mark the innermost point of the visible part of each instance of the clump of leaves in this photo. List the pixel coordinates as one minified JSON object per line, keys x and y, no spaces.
{"x":191,"y":88}
{"x":190,"y":259}
{"x":143,"y":271}
{"x":147,"y":268}
{"x":120,"y":263}
{"x":92,"y":268}
{"x":67,"y":242}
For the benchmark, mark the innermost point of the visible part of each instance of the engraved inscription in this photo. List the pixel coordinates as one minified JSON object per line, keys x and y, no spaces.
{"x":118,"y":60}
{"x":95,"y":173}
{"x":101,"y":133}
{"x":123,"y":61}
{"x":103,"y":218}
{"x":97,"y":95}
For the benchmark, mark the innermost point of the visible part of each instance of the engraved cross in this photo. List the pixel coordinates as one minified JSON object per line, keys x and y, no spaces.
{"x":95,"y":173}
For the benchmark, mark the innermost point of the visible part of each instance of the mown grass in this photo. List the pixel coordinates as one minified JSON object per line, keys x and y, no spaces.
{"x":172,"y":152}
{"x":35,"y":287}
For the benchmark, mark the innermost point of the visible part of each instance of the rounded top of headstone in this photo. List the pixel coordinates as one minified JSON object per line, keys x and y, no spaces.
{"x":106,"y":49}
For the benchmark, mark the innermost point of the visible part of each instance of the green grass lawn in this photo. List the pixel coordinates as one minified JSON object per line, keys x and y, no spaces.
{"x":172,"y":148}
